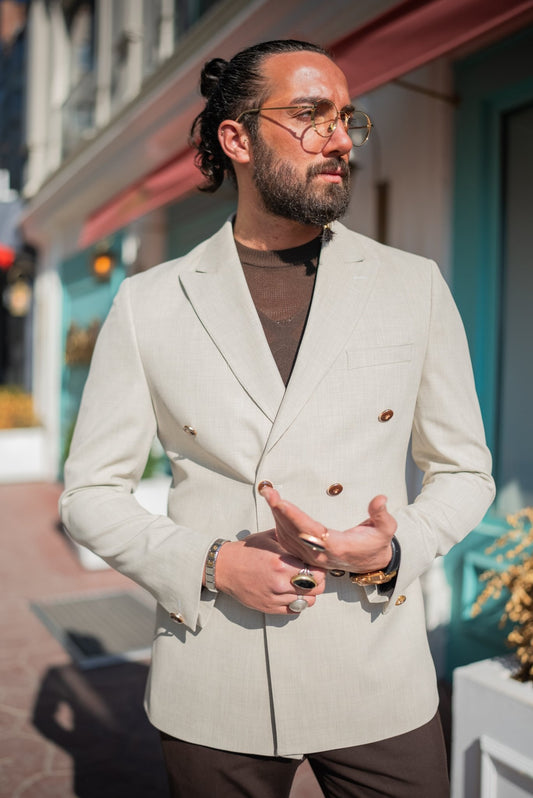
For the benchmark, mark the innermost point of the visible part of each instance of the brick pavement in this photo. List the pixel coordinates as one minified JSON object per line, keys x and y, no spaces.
{"x":66,"y":732}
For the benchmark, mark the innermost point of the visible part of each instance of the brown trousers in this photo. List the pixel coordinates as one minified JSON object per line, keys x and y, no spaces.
{"x":411,"y":765}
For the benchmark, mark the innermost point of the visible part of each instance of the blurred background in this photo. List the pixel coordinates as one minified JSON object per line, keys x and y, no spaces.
{"x":97,"y":182}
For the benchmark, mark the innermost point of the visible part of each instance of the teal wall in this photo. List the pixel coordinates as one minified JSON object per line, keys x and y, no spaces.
{"x":489,"y":84}
{"x":196,"y":218}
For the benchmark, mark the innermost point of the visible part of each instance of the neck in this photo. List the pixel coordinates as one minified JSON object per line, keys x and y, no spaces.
{"x":258,"y":229}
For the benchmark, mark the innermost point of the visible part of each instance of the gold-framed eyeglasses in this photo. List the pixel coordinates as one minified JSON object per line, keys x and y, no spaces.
{"x":324,"y":117}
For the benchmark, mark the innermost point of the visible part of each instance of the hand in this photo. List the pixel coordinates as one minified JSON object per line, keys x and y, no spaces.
{"x":362,"y":548}
{"x":257,"y":572}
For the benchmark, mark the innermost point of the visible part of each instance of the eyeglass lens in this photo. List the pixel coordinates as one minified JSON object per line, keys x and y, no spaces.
{"x":325,"y":122}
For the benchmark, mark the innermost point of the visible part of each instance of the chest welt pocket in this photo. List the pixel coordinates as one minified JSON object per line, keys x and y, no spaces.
{"x":379,"y":356}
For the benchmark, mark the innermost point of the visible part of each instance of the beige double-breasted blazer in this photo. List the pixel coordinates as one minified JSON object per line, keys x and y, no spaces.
{"x":183,"y":351}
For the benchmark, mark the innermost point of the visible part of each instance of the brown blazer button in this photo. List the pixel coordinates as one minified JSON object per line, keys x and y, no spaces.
{"x":386,"y":415}
{"x":335,"y":489}
{"x":337,"y":572}
{"x":265,"y":483}
{"x":189,"y":430}
{"x":400,"y":600}
{"x":177,"y":617}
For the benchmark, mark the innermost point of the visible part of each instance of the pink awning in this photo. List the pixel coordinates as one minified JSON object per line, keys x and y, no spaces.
{"x":405,"y":37}
{"x":168,"y":183}
{"x":415,"y":32}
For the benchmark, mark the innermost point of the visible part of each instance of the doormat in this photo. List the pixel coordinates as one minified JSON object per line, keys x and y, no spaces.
{"x":100,"y":630}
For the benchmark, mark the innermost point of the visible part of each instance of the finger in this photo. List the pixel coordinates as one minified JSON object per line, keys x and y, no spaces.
{"x":291,"y":518}
{"x":284,"y":510}
{"x":380,"y":516}
{"x":270,"y":494}
{"x":377,"y":506}
{"x":310,"y":602}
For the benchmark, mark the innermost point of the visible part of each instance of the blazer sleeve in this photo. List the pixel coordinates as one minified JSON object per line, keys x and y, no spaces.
{"x":448,"y":445}
{"x":114,"y":432}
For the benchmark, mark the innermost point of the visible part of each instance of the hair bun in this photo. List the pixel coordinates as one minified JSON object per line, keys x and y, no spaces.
{"x":211,"y":74}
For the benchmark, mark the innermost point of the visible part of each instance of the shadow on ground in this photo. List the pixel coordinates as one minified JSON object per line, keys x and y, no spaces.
{"x":97,"y":717}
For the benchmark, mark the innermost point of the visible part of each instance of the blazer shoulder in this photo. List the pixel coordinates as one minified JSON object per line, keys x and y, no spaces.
{"x":393,"y":261}
{"x":387,"y":253}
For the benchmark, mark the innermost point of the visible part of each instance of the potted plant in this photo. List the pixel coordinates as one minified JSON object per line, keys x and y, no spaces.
{"x":492,"y":700}
{"x":515,"y":549}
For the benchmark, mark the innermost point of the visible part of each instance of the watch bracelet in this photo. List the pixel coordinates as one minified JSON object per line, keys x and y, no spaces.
{"x":383,"y":575}
{"x":210,"y":564}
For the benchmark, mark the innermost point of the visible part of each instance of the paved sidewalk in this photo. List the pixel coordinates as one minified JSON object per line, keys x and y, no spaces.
{"x":65,"y":732}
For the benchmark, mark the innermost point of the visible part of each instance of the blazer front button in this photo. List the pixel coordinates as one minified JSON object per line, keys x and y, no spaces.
{"x":335,"y":489}
{"x":400,"y":600}
{"x":190,"y":430}
{"x":177,"y":617}
{"x":386,"y":415}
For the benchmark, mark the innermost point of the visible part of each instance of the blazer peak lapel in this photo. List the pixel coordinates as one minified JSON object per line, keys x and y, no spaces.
{"x":218,"y":292}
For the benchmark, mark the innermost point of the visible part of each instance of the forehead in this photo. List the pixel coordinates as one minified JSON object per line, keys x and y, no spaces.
{"x":293,"y":76}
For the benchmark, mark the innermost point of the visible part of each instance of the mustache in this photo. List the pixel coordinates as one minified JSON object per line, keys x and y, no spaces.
{"x":328,"y":166}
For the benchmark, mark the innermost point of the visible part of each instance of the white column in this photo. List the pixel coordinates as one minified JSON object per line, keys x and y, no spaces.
{"x":166,"y":33}
{"x":59,"y":83}
{"x":133,"y":25}
{"x":38,"y":96}
{"x":104,"y":61}
{"x":47,"y":353}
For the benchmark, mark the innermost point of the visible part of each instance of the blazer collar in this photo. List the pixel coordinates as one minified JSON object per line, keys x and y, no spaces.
{"x":217,"y":289}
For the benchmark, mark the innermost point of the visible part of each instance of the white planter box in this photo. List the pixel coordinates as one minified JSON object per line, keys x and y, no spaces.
{"x":492,"y":755}
{"x":23,"y":455}
{"x":152,"y":494}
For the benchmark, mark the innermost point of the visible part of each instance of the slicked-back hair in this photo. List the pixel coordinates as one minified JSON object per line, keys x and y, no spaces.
{"x":230,"y":87}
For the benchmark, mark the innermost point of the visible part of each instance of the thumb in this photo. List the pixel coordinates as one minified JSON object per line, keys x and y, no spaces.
{"x":377,"y":509}
{"x":380,"y":516}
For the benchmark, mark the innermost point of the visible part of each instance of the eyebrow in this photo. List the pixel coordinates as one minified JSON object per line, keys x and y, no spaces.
{"x":349,"y":108}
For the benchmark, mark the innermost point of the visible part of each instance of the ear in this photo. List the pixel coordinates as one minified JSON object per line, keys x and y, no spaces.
{"x":234,"y":141}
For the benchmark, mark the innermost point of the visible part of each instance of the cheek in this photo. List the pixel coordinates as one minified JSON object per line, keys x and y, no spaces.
{"x":312,"y":143}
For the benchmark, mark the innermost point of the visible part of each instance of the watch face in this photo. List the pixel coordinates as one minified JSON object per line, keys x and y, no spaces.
{"x":315,"y":544}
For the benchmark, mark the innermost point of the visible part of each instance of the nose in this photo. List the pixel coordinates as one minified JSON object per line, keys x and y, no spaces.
{"x":339,"y":142}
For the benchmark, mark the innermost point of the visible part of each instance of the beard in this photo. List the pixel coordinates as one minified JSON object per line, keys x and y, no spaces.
{"x":286,"y":194}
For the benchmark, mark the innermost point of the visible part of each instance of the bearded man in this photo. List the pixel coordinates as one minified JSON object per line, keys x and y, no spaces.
{"x":284,"y":364}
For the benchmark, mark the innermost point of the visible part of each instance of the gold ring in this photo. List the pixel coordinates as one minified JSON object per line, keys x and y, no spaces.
{"x":304,"y":579}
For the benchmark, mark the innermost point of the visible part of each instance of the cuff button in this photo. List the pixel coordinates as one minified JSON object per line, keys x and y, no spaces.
{"x":177,"y":617}
{"x":400,"y":600}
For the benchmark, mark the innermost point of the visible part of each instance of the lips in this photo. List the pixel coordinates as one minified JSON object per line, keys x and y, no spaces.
{"x":334,"y":170}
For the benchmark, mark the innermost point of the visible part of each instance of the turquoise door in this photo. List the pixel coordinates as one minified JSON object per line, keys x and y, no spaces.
{"x":493,"y":286}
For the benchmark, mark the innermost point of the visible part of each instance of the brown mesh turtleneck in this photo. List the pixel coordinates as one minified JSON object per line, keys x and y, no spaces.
{"x":281,"y":284}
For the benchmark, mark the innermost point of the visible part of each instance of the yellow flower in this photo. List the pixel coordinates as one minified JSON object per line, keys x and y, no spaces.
{"x":16,"y":408}
{"x":517,"y":579}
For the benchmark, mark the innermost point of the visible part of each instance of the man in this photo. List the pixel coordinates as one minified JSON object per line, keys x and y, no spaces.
{"x":284,"y":364}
